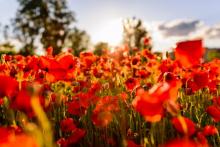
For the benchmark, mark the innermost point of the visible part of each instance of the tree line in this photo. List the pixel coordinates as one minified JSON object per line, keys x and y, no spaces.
{"x":51,"y":23}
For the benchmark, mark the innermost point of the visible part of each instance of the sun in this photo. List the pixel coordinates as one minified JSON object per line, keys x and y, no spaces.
{"x":109,"y":31}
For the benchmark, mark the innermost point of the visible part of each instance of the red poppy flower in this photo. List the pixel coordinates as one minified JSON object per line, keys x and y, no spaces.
{"x":67,"y":125}
{"x":123,"y":96}
{"x":67,"y":61}
{"x":216,"y":101}
{"x":40,"y":76}
{"x":82,"y":101}
{"x":150,"y":103}
{"x":184,"y":125}
{"x":19,"y":57}
{"x":212,"y":85}
{"x":101,"y":118}
{"x":150,"y":107}
{"x":79,"y":85}
{"x":56,"y":74}
{"x":146,"y":40}
{"x":191,"y":87}
{"x":201,"y":79}
{"x":189,"y":53}
{"x":3,"y":67}
{"x":131,"y":83}
{"x":167,"y":65}
{"x":210,"y":130}
{"x":86,"y":54}
{"x":103,"y":112}
{"x":95,"y":87}
{"x":87,"y":99}
{"x":50,"y":51}
{"x":22,"y":101}
{"x":54,"y":70}
{"x":46,"y":63}
{"x":147,"y":54}
{"x":75,"y":136}
{"x":143,"y":73}
{"x":87,"y":59}
{"x":62,"y":142}
{"x":1,"y":101}
{"x":4,"y":134}
{"x":202,"y":141}
{"x":8,"y":86}
{"x":75,"y":108}
{"x":135,"y":61}
{"x":32,"y":63}
{"x":7,"y":57}
{"x":96,"y":72}
{"x":169,"y":77}
{"x":214,"y":111}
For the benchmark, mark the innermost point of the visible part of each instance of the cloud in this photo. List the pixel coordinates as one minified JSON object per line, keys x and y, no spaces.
{"x":166,"y":34}
{"x":213,"y":32}
{"x":180,"y":28}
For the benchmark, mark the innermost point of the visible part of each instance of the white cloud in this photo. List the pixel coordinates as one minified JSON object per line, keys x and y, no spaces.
{"x":180,"y":28}
{"x":166,"y":34}
{"x":213,"y":32}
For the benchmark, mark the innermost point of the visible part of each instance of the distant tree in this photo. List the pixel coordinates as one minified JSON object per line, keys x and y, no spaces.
{"x":101,"y":48}
{"x":6,"y":47}
{"x":78,"y":40}
{"x":42,"y":21}
{"x":135,"y":34}
{"x":5,"y":32}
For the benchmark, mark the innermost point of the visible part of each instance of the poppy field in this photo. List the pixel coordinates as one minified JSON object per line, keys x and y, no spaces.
{"x":119,"y":100}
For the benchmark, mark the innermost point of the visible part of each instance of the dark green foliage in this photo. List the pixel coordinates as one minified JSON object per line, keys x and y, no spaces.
{"x":42,"y":21}
{"x":78,"y":40}
{"x":212,"y":54}
{"x":100,"y":48}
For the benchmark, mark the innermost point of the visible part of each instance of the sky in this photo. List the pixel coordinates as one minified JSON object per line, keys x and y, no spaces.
{"x":167,"y":21}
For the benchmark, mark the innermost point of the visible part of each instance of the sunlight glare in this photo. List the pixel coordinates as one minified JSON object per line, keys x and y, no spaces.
{"x":110,"y":32}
